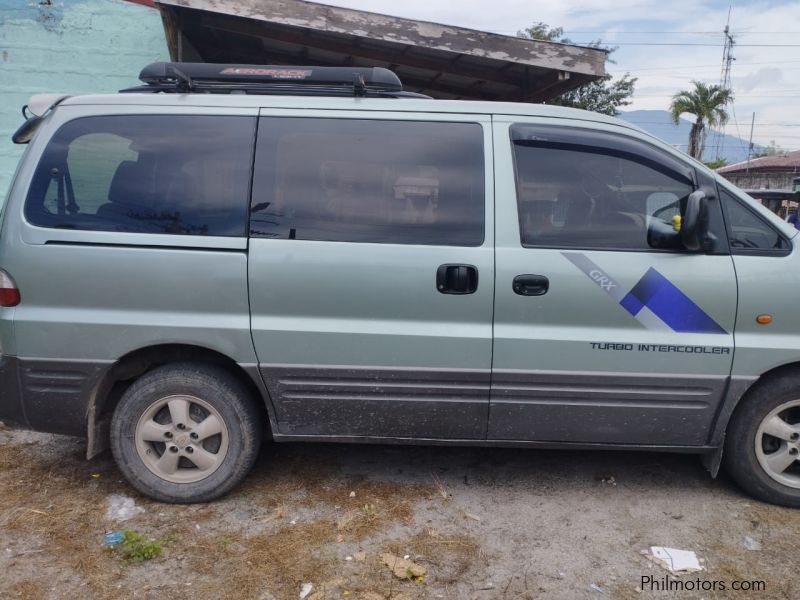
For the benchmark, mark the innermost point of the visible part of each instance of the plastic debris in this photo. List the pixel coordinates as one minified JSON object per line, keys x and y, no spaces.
{"x":352,"y":494}
{"x":121,"y":508}
{"x":112,"y":538}
{"x":597,"y":588}
{"x":403,"y":568}
{"x":673,"y":560}
{"x":751,"y":544}
{"x":306,"y":590}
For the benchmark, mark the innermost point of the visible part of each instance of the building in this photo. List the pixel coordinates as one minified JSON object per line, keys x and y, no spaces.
{"x":442,"y":61}
{"x":69,"y":46}
{"x":95,"y":46}
{"x":766,"y":173}
{"x":774,"y":180}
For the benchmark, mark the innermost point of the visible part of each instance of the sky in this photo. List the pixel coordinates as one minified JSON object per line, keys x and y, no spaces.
{"x":665,"y":43}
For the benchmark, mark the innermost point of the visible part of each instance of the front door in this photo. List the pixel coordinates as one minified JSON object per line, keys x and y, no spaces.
{"x":606,"y":329}
{"x":372,"y":272}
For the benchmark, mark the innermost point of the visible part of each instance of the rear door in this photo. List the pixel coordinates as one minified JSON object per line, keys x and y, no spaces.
{"x":606,"y":330}
{"x":371,"y":272}
{"x":129,"y":231}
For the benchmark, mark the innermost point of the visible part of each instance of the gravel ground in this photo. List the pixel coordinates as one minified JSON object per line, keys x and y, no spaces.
{"x":484,"y":523}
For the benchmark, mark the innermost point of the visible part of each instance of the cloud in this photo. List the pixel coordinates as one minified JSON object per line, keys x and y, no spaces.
{"x":762,"y":76}
{"x":769,"y":76}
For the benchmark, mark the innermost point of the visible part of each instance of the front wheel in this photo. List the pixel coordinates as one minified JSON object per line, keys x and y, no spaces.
{"x":762,"y":448}
{"x":185,"y":433}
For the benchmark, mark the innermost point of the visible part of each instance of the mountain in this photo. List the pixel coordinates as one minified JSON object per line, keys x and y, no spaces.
{"x":659,"y":123}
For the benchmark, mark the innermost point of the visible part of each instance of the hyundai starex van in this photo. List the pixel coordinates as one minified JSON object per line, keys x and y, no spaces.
{"x":229,"y":253}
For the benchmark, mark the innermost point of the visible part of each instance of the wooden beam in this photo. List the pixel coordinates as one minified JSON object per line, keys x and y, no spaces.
{"x":172,"y":32}
{"x":307,"y":37}
{"x":448,"y":40}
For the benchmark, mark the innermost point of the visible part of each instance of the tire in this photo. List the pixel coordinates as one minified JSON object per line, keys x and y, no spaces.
{"x":753,"y":456}
{"x":186,"y":433}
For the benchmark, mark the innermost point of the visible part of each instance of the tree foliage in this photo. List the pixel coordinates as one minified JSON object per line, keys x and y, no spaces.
{"x":772,"y":150}
{"x":717,"y":163}
{"x":605,"y":95}
{"x":707,"y":103}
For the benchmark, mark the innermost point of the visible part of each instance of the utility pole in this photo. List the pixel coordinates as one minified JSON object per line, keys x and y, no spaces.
{"x":725,"y":80}
{"x":750,"y":144}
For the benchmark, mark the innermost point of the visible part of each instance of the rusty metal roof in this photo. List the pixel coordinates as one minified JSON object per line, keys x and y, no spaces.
{"x":439,"y":60}
{"x":780,"y":162}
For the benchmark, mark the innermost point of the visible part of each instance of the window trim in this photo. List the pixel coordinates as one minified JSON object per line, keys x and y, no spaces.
{"x":781,"y":252}
{"x":43,"y":234}
{"x":487,"y":160}
{"x":600,"y":142}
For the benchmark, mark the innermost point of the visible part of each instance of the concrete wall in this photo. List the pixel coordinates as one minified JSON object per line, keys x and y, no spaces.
{"x":762,"y":181}
{"x":69,"y":46}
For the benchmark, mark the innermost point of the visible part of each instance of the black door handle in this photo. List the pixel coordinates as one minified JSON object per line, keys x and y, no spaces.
{"x":531,"y":285}
{"x":457,"y":279}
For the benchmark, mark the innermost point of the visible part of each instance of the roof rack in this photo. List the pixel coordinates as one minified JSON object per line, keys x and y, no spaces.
{"x":184,"y":78}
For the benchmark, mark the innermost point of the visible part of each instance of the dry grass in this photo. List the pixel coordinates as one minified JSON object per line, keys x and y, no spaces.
{"x":28,"y":590}
{"x":57,"y":507}
{"x":449,"y":555}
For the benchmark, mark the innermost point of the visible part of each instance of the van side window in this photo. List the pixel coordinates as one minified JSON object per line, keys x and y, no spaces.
{"x":351,"y":180}
{"x":184,"y":175}
{"x":749,"y":233}
{"x":573,"y":195}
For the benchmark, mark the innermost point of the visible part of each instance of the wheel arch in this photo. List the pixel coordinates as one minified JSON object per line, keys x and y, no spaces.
{"x":738,"y":389}
{"x":119,"y":376}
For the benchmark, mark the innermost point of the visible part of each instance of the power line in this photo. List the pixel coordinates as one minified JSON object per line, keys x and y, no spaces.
{"x":772,"y":62}
{"x":609,"y":31}
{"x":760,"y":124}
{"x":617,"y":32}
{"x":688,"y":44}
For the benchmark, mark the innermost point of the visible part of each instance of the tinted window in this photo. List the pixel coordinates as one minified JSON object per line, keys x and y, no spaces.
{"x":146,"y":174}
{"x":747,"y":231}
{"x":401,"y":182}
{"x":594,"y":197}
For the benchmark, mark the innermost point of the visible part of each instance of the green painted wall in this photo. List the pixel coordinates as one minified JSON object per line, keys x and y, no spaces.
{"x":69,"y":46}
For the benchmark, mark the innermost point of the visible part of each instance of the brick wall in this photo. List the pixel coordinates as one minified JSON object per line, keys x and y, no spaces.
{"x":69,"y":46}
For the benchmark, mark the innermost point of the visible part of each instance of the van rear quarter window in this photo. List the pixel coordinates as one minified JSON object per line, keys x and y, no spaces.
{"x":375,"y":181}
{"x":186,"y":175}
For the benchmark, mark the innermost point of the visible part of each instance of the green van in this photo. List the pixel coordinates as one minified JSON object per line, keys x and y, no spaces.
{"x":231,"y":252}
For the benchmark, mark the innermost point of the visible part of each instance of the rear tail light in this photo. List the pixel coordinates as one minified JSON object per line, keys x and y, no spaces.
{"x":9,"y":294}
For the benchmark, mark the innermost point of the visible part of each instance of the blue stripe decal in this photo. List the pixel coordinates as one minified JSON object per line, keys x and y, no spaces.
{"x":655,"y":292}
{"x":669,"y":304}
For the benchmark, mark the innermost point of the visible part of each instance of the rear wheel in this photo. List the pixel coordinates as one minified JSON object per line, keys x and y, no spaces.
{"x":762,"y":448}
{"x":185,"y":433}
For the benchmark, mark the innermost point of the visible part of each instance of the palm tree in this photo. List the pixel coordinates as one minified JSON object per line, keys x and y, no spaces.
{"x":707,"y":103}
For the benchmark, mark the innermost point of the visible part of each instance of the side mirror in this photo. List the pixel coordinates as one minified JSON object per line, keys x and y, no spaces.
{"x":694,"y":224}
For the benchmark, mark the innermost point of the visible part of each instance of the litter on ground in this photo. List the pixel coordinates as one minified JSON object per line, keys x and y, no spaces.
{"x":121,"y":508}
{"x":673,"y":560}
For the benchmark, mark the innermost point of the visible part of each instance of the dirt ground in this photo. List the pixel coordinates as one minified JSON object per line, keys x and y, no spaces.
{"x":484,"y":523}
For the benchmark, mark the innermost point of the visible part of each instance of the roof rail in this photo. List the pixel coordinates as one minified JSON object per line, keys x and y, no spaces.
{"x":186,"y":78}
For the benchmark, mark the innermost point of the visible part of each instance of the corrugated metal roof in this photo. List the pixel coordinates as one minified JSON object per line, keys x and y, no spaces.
{"x":781,"y":162}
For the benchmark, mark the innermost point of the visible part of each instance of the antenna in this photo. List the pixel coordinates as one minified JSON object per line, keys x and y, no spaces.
{"x":725,"y":80}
